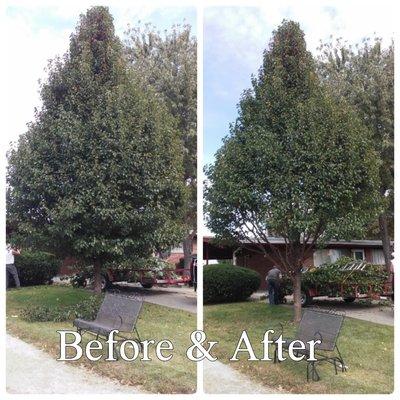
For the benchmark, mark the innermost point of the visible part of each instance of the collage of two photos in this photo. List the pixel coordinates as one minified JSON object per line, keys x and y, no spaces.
{"x":147,"y":256}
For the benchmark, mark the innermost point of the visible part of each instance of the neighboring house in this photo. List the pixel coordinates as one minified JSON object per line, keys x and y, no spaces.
{"x":175,"y":255}
{"x":368,"y":250}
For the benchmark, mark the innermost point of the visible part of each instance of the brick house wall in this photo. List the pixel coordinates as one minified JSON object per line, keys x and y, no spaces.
{"x":260,"y":264}
{"x":177,"y":254}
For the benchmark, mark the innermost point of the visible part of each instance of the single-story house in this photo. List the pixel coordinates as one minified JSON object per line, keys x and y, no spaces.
{"x":368,"y":250}
{"x":174,"y":256}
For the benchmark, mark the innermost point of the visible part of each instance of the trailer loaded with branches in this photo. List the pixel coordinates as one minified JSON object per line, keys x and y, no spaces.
{"x":345,"y":278}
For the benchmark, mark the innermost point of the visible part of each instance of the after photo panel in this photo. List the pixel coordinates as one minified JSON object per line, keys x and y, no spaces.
{"x":299,"y":198}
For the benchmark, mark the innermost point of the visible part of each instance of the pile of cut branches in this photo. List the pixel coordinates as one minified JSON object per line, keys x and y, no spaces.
{"x":340,"y":277}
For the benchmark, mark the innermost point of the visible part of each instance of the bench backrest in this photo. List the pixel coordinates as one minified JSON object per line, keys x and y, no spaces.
{"x":120,"y":311}
{"x":320,"y":325}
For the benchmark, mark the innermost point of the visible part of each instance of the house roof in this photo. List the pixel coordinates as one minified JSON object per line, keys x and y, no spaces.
{"x":331,"y":243}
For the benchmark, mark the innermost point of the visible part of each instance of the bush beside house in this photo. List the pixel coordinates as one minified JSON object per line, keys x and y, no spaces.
{"x":36,"y":267}
{"x":225,"y":283}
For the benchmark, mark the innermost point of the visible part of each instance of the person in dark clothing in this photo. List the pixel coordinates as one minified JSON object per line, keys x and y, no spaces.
{"x":11,"y":270}
{"x":273,"y":279}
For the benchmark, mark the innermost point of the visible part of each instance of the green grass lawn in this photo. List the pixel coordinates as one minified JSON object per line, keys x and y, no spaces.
{"x":367,"y":349}
{"x":155,"y":322}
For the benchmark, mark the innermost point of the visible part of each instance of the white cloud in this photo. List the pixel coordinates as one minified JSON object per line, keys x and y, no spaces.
{"x":247,"y":30}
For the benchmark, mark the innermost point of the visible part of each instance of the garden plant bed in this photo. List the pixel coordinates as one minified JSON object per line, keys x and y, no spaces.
{"x":366,"y":374}
{"x":156,"y":322}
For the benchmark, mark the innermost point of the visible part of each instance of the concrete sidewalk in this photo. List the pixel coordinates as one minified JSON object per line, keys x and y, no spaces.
{"x":221,"y":378}
{"x":32,"y":371}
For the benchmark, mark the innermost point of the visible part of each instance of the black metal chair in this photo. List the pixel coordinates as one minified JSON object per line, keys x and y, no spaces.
{"x":117,"y":311}
{"x":324,"y":325}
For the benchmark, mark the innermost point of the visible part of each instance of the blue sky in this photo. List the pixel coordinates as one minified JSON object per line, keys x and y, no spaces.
{"x":235,"y":37}
{"x":40,"y":32}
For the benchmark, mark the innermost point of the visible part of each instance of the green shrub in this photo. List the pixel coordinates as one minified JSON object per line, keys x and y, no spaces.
{"x":86,"y":309}
{"x":36,"y":267}
{"x":228,"y":283}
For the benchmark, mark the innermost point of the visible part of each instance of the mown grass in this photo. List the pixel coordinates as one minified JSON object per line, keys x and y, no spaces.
{"x":366,"y":347}
{"x":155,"y":322}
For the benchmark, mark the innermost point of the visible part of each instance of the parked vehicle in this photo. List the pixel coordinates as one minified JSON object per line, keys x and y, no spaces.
{"x":147,"y":277}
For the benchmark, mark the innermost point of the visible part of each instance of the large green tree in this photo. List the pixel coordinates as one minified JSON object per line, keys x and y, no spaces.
{"x":364,"y":76}
{"x":298,"y":163}
{"x":168,"y":63}
{"x":98,"y":174}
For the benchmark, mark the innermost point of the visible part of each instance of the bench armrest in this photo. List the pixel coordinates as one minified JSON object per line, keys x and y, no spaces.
{"x":278,"y":331}
{"x":120,"y":322}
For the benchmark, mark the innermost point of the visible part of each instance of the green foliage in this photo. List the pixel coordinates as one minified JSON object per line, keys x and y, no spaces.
{"x":363,"y":75}
{"x":98,"y":174}
{"x":298,"y":162}
{"x":86,"y":309}
{"x":36,"y":267}
{"x":228,"y":283}
{"x":168,"y":63}
{"x":330,"y":278}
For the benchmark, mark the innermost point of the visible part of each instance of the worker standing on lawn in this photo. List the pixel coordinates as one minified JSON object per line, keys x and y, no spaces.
{"x":273,"y":279}
{"x":10,"y":266}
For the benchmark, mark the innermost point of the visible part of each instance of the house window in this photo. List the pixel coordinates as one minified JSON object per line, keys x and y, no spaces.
{"x":378,"y":257}
{"x":358,"y":254}
{"x":325,"y":256}
{"x":321,"y":257}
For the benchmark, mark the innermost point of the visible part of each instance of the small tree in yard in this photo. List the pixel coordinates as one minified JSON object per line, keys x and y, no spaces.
{"x":297,"y":164}
{"x":98,"y":174}
{"x":364,"y":76}
{"x":168,"y":63}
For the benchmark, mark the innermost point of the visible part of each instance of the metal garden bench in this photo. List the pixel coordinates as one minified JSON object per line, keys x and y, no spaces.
{"x":117,"y":311}
{"x":321,"y":325}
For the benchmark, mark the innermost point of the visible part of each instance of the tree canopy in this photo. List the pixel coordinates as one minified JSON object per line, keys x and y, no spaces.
{"x":298,"y":162}
{"x":168,"y":62}
{"x":98,"y":173}
{"x":364,"y":76}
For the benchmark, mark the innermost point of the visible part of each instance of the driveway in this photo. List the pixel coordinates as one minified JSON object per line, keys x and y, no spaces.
{"x":180,"y":297}
{"x":32,"y":371}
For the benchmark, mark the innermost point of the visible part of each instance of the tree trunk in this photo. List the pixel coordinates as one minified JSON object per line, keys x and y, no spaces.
{"x":296,"y":279}
{"x":187,"y":253}
{"x":97,"y":276}
{"x":383,"y":226}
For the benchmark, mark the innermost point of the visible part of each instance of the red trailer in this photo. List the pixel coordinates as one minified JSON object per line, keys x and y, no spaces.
{"x":148,"y":278}
{"x":349,"y":292}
